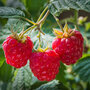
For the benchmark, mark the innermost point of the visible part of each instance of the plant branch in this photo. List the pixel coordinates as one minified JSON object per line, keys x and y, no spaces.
{"x":28,"y":20}
{"x":38,"y":24}
{"x":32,"y":27}
{"x":39,"y":29}
{"x":42,"y":14}
{"x":39,"y":38}
{"x":58,"y":22}
{"x":43,"y":19}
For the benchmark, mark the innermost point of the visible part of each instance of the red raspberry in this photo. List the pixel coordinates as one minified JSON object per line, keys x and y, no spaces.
{"x":17,"y":53}
{"x":70,"y":49}
{"x":45,"y":65}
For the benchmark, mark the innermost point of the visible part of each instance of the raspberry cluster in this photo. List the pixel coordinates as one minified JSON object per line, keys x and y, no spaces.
{"x":68,"y":48}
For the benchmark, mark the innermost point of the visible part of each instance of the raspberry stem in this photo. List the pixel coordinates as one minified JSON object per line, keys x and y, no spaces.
{"x":39,"y":23}
{"x":58,"y":22}
{"x":42,"y":14}
{"x":39,"y":39}
{"x":30,"y":28}
{"x":44,"y":18}
{"x":29,"y":20}
{"x":65,"y":27}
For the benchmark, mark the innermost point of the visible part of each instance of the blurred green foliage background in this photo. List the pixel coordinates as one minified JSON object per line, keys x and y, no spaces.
{"x":73,"y":77}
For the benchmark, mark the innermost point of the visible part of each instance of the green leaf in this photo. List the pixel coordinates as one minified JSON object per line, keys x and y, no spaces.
{"x":58,"y":6}
{"x":5,"y":72}
{"x":82,"y":68}
{"x":53,"y":85}
{"x":8,"y":12}
{"x":61,"y":75}
{"x":23,"y":79}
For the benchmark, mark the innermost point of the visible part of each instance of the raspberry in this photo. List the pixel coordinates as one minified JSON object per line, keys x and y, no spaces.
{"x":70,"y":49}
{"x":17,"y":53}
{"x":45,"y":65}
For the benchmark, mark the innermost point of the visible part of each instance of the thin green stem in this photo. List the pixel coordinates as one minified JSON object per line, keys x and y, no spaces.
{"x":40,"y":22}
{"x":58,"y":22}
{"x":30,"y":28}
{"x":39,"y":38}
{"x":28,"y":20}
{"x":42,"y":14}
{"x":44,"y":18}
{"x":25,"y":19}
